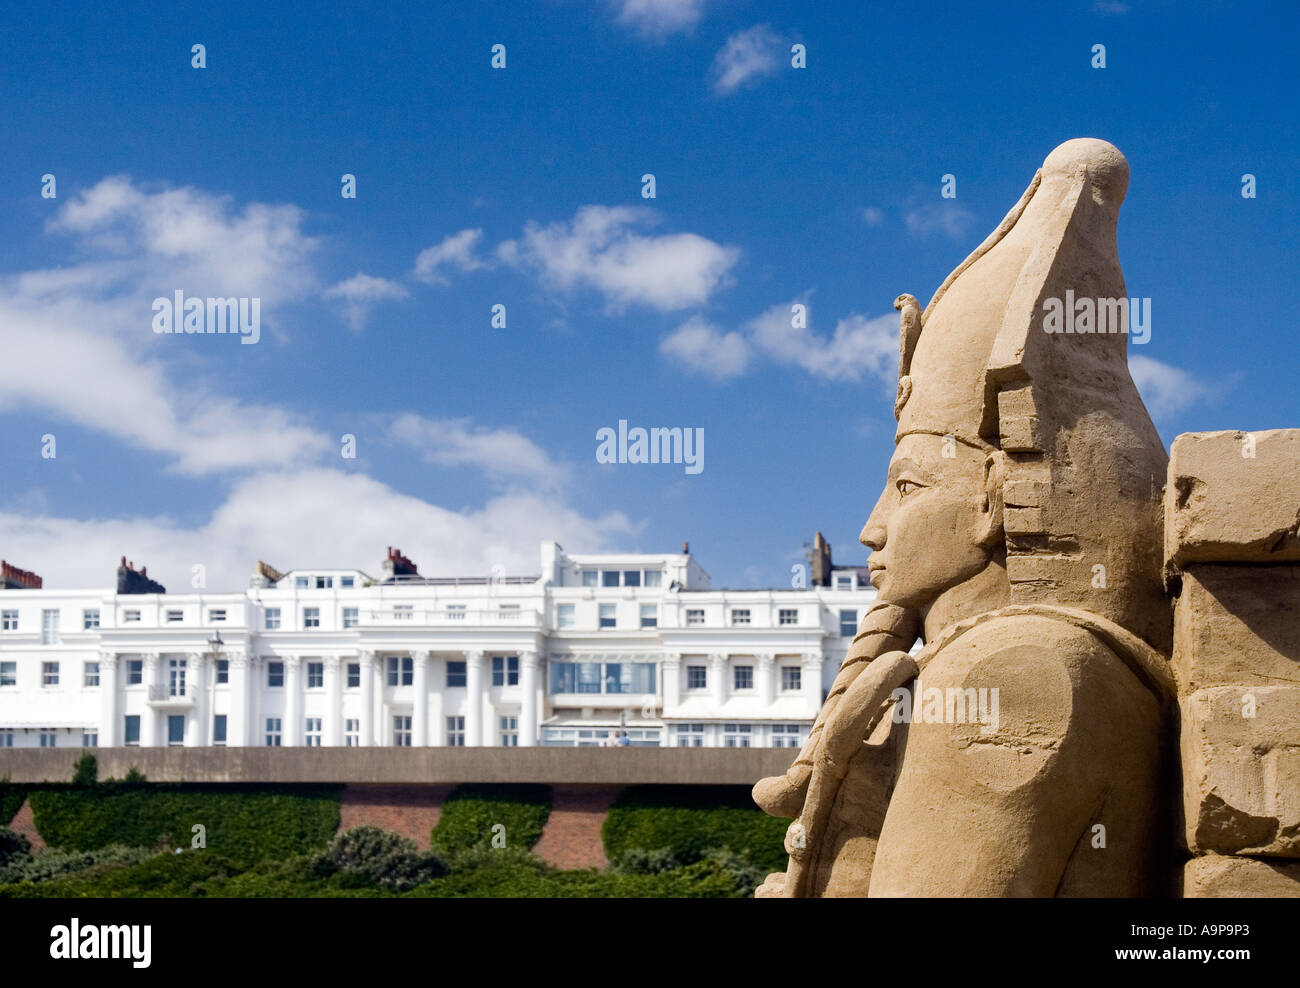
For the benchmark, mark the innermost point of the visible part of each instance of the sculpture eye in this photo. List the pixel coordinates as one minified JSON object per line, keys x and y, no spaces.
{"x":906,"y":487}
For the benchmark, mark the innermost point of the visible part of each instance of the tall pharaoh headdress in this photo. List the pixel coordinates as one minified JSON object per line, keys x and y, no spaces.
{"x":1082,"y":502}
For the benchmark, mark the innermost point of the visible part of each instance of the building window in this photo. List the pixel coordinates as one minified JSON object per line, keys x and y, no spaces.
{"x":607,"y":616}
{"x":130,"y":616}
{"x":175,"y":730}
{"x":48,"y":737}
{"x":402,"y":732}
{"x":311,"y":617}
{"x":590,"y":578}
{"x":9,"y":620}
{"x":740,"y":615}
{"x":223,"y":671}
{"x":275,"y":674}
{"x":173,"y":616}
{"x":456,"y":732}
{"x":272,"y":619}
{"x":6,"y":739}
{"x":844,"y":581}
{"x":8,"y":673}
{"x":351,"y":615}
{"x":848,"y":624}
{"x":505,"y":670}
{"x":216,"y":614}
{"x":455,"y":674}
{"x":403,"y":612}
{"x":352,"y":733}
{"x":785,"y":735}
{"x":697,"y":677}
{"x":347,"y":582}
{"x":510,"y":732}
{"x":49,"y":674}
{"x":456,"y":612}
{"x":354,"y":675}
{"x":788,"y":615}
{"x":737,"y":735}
{"x":791,"y":678}
{"x":602,"y":677}
{"x":219,"y":729}
{"x":49,"y":627}
{"x":134,"y":672}
{"x":311,"y":732}
{"x":273,"y":732}
{"x":742,"y":677}
{"x":649,"y":616}
{"x":176,"y":677}
{"x":131,"y":735}
{"x":90,"y":619}
{"x":401,"y":670}
{"x":609,"y":577}
{"x":302,"y":582}
{"x":632,"y":578}
{"x":90,"y":674}
{"x":694,"y":615}
{"x":564,"y":616}
{"x":324,"y":583}
{"x":315,"y":675}
{"x":654,"y":578}
{"x":90,"y":739}
{"x":690,"y":735}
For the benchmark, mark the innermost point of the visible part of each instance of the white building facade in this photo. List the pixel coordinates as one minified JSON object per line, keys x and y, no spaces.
{"x":595,"y":646}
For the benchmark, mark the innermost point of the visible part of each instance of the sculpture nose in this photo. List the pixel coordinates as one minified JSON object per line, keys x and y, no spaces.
{"x":874,"y":532}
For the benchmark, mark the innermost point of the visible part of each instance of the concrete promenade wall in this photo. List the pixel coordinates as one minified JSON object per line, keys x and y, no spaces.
{"x":554,"y":766}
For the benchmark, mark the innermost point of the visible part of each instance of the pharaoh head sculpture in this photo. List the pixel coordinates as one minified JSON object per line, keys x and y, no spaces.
{"x":1017,"y":443}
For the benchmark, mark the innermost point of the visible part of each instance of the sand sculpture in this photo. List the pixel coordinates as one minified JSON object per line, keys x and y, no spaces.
{"x":1103,"y":628}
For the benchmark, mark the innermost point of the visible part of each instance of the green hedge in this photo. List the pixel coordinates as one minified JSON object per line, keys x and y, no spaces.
{"x":470,"y":813}
{"x":11,"y":798}
{"x":243,"y":823}
{"x":683,"y":823}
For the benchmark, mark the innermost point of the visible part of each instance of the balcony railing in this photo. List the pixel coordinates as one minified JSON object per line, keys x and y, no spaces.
{"x":449,"y":616}
{"x":172,"y":695}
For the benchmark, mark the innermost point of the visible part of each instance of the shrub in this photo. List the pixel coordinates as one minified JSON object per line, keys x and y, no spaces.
{"x":243,"y":823}
{"x":56,"y":863}
{"x":184,"y":875}
{"x":13,"y":847}
{"x":638,"y":861}
{"x":11,"y":798}
{"x":369,"y":854}
{"x":86,"y":772}
{"x":471,"y":812}
{"x":685,"y":822}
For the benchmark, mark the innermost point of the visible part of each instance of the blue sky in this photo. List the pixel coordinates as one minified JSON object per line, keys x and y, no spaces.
{"x":522,"y":187}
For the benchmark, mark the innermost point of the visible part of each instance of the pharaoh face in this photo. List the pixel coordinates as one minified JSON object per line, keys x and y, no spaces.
{"x":937,"y":520}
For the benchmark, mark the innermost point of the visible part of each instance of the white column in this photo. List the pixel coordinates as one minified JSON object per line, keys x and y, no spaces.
{"x":291,"y":736}
{"x":196,"y":682}
{"x":437,"y":708}
{"x":333,"y":726}
{"x":256,"y":686}
{"x":718,"y":678}
{"x":765,"y":666}
{"x":812,"y":681}
{"x":367,"y":738}
{"x":474,"y":699}
{"x":420,"y":713}
{"x":527,"y":699}
{"x":237,"y":718}
{"x":672,"y":673}
{"x":109,"y":735}
{"x":149,"y":716}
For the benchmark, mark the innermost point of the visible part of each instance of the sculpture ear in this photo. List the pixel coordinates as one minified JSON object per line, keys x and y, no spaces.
{"x":995,"y":474}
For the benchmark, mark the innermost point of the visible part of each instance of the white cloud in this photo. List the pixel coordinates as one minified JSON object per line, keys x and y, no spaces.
{"x":747,"y":56}
{"x":501,"y":453}
{"x":704,"y":349}
{"x":307,"y":518}
{"x":873,"y":216}
{"x":657,"y":19}
{"x":600,"y":249}
{"x":359,"y":293}
{"x":456,"y":250}
{"x":1165,"y":389}
{"x":946,"y":217}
